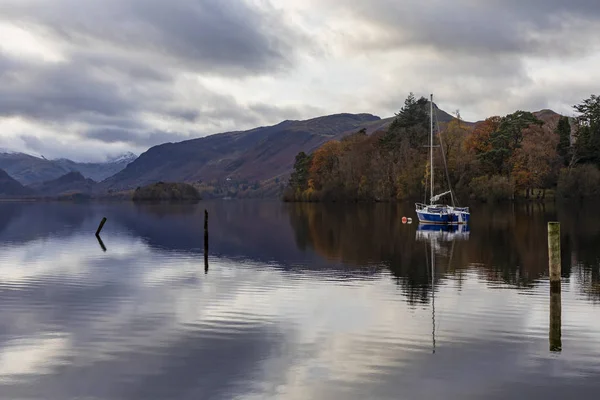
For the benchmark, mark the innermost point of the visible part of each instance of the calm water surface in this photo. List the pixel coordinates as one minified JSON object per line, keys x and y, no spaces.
{"x":298,"y":302}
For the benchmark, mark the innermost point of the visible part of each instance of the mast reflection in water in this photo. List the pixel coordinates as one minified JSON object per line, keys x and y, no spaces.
{"x":436,"y":236}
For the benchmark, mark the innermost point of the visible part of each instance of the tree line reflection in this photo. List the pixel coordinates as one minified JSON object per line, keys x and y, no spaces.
{"x":506,"y":244}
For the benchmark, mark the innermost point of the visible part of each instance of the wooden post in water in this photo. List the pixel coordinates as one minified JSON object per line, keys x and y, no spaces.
{"x":554,"y":254}
{"x":100,"y":226}
{"x":555,"y":289}
{"x":205,"y":241}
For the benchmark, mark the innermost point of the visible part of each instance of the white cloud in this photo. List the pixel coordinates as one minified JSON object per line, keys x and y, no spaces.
{"x":105,"y":84}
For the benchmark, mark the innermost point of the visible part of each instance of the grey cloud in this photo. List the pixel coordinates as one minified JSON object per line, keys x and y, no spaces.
{"x":123,"y":60}
{"x":485,"y":27}
{"x":81,"y":149}
{"x":220,"y":37}
{"x":58,"y":91}
{"x":134,"y":137}
{"x":226,"y":110}
{"x":470,"y":83}
{"x":282,"y":113}
{"x":185,"y":114}
{"x":33,"y":142}
{"x":474,"y":53}
{"x":108,"y":101}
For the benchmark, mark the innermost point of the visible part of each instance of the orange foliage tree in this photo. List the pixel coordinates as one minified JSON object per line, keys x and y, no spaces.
{"x":324,"y":168}
{"x":535,"y":159}
{"x":479,"y":140}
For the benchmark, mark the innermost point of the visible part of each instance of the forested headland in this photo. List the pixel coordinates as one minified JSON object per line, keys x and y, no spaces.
{"x":166,"y":191}
{"x":522,"y":155}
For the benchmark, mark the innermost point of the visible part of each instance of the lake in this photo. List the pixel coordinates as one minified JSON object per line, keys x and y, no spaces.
{"x":299,"y":301}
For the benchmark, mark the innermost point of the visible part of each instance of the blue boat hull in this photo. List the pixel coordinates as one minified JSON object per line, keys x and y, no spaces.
{"x":431,"y":218}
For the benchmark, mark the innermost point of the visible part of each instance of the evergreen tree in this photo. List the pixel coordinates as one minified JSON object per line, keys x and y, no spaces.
{"x":588,"y":132}
{"x":411,"y":122}
{"x":299,"y":178}
{"x":507,"y":139}
{"x":414,"y":113}
{"x":563,"y":130}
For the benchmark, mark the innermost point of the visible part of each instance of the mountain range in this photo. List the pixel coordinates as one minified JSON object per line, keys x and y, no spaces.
{"x":32,"y":170}
{"x":262,"y":155}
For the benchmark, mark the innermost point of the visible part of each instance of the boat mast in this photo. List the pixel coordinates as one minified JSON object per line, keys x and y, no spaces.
{"x":431,"y":146}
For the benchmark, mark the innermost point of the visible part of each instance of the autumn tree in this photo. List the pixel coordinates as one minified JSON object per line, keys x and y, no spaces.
{"x":354,"y":169}
{"x":457,"y":156}
{"x":534,"y":159}
{"x":505,"y":140}
{"x":479,"y":141}
{"x":324,"y":169}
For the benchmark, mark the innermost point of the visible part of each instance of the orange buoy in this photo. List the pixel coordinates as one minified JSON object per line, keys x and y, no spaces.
{"x":404,"y":220}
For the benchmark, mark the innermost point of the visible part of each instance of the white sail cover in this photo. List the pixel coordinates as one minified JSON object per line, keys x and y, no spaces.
{"x":439,"y":196}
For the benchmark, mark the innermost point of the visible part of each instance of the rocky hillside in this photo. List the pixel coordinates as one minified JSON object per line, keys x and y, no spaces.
{"x":9,"y":187}
{"x":68,"y":184}
{"x":28,"y":169}
{"x":253,"y":155}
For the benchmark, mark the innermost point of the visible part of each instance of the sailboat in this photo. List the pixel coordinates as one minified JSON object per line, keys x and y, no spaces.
{"x":433,"y":213}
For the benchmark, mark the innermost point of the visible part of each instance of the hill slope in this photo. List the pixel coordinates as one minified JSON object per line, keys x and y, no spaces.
{"x":73,"y":182}
{"x":28,"y":169}
{"x":253,"y":155}
{"x":10,"y":187}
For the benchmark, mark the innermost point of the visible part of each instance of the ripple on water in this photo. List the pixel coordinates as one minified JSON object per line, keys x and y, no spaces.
{"x":143,"y":320}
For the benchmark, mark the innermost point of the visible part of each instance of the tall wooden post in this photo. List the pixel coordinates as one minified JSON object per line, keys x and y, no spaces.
{"x":554,"y":253}
{"x":205,"y":241}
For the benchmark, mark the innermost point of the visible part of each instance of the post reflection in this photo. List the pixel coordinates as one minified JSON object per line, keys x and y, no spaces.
{"x":101,"y":243}
{"x":555,"y":320}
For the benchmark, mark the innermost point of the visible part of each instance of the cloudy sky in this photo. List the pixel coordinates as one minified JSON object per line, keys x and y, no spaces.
{"x":90,"y":78}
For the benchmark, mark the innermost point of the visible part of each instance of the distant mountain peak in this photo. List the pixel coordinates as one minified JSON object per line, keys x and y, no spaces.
{"x":73,"y":176}
{"x":125,"y":157}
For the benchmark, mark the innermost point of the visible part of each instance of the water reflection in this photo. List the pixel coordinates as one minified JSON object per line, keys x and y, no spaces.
{"x":442,"y":232}
{"x":555,"y":334}
{"x":301,"y":301}
{"x":438,"y":237}
{"x":504,"y":244}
